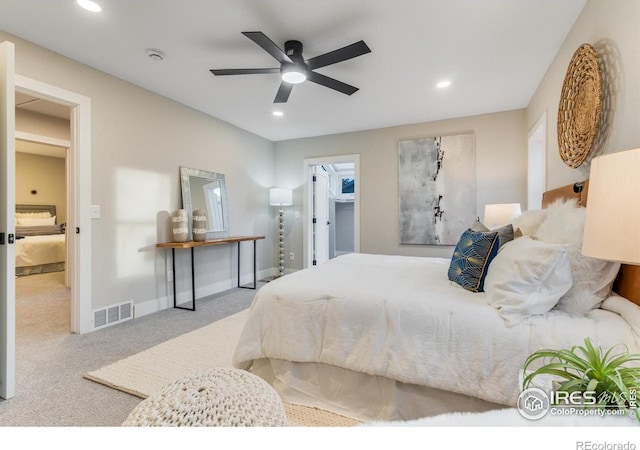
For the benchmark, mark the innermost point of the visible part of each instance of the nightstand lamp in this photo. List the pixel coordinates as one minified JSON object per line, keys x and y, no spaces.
{"x":280,"y":197}
{"x":612,"y":216}
{"x":501,"y":214}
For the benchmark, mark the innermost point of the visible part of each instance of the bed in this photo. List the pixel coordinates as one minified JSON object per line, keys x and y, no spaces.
{"x":40,"y":240}
{"x":379,"y":337}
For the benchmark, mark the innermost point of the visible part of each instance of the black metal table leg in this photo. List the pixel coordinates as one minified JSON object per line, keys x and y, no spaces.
{"x":173,"y":262}
{"x":193,"y":283}
{"x":254,"y":268}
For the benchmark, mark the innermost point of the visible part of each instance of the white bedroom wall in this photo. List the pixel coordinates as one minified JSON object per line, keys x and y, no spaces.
{"x":139,"y":141}
{"x":613,"y":28}
{"x":501,"y":164}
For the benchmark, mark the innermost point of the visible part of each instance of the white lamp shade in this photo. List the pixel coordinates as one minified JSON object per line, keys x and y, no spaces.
{"x":280,"y":197}
{"x":501,"y":214}
{"x":613,"y":208}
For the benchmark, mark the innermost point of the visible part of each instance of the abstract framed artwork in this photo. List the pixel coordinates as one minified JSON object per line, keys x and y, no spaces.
{"x":436,"y":188}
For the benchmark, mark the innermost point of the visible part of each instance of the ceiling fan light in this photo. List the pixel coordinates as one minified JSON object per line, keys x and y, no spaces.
{"x":294,"y":77}
{"x":89,"y":5}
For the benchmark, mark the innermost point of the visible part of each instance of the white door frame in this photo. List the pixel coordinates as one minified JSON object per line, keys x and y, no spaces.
{"x":79,"y":195}
{"x":307,"y":201}
{"x":537,"y":156}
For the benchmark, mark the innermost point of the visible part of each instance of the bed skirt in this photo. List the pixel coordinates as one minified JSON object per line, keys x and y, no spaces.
{"x":361,"y":396}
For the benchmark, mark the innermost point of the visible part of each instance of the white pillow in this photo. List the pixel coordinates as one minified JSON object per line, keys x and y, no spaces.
{"x":34,"y":215}
{"x":628,"y":310}
{"x":529,"y":221}
{"x":592,"y":278}
{"x":37,"y":221}
{"x":527,"y":277}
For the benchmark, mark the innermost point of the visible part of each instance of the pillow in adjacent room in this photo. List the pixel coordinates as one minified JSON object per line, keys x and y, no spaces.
{"x":527,"y":277}
{"x":592,"y":278}
{"x":34,"y":215}
{"x":33,"y":222}
{"x":471,"y":258}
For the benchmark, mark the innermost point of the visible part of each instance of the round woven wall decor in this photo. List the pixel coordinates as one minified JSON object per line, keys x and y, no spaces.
{"x":580,"y":104}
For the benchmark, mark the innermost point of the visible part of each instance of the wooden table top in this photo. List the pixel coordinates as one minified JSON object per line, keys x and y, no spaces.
{"x":191,"y":244}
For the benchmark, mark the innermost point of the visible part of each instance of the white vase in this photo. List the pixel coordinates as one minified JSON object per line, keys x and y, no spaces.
{"x":199,"y":226}
{"x":179,"y":226}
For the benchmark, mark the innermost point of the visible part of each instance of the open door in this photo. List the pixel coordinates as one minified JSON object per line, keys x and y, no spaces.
{"x":320,"y":220}
{"x":7,"y":221}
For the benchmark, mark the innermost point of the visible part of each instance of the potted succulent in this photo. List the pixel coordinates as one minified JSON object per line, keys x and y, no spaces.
{"x":606,"y":375}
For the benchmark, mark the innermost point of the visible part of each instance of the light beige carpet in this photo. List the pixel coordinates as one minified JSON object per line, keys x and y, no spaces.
{"x":211,"y":346}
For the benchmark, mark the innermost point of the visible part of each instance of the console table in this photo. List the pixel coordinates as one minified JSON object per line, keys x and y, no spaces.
{"x":192,"y":245}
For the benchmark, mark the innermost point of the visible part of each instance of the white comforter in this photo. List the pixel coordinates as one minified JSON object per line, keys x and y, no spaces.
{"x":401,"y":318}
{"x":37,"y":250}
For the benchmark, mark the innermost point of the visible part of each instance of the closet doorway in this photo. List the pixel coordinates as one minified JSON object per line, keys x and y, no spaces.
{"x":331,"y":210}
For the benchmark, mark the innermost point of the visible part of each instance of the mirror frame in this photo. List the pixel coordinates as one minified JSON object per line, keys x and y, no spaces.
{"x":185,"y":174}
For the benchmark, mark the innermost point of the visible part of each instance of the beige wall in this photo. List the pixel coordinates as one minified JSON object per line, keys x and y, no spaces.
{"x":139,"y":141}
{"x":613,"y":28}
{"x":46,"y":175}
{"x":500,"y":175}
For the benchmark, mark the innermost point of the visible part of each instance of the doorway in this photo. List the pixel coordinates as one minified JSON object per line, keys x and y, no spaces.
{"x":43,"y":289}
{"x":331,"y":210}
{"x":78,"y":222}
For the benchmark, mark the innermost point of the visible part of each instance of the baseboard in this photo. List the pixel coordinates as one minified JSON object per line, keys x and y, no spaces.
{"x":158,"y":304}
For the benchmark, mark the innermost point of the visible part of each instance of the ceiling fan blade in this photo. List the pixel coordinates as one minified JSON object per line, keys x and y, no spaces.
{"x":267,"y":45}
{"x":331,"y":83}
{"x":336,"y":56}
{"x":243,"y":71}
{"x":283,"y":92}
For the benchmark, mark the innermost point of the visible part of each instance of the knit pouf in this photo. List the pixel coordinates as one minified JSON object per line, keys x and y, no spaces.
{"x":218,"y":397}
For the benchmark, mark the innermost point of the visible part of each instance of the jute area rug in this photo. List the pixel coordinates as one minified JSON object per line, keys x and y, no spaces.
{"x":211,"y":346}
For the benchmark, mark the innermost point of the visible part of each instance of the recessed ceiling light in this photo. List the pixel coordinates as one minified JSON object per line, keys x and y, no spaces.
{"x":155,"y":55}
{"x":443,"y":84}
{"x":278,"y":113}
{"x":89,"y":5}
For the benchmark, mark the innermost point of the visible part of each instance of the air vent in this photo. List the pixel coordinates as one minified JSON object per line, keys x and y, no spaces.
{"x":112,"y":315}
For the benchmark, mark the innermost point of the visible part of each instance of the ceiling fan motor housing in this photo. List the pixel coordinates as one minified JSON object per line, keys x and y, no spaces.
{"x":293,"y":49}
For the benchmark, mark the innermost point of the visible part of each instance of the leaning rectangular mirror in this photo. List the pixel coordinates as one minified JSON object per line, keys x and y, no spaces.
{"x":207,"y":191}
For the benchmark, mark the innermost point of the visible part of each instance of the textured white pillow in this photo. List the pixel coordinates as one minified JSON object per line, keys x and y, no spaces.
{"x":529,"y":221}
{"x":36,"y":221}
{"x":628,"y":310}
{"x":527,"y":277}
{"x":34,"y":215}
{"x":592,"y":278}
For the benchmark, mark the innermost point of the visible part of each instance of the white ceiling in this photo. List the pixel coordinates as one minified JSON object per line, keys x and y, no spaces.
{"x":495,"y":52}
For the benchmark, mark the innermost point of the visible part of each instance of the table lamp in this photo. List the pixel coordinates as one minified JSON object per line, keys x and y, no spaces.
{"x":280,"y":197}
{"x":500,"y":214}
{"x":613,"y":214}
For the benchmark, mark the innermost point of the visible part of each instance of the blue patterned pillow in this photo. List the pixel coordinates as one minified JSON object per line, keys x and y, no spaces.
{"x":472,"y":257}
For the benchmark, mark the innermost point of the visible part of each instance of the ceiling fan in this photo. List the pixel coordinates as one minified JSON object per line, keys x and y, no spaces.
{"x":295,"y":69}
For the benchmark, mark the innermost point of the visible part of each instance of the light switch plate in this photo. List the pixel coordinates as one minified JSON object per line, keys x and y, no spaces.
{"x":95,"y":211}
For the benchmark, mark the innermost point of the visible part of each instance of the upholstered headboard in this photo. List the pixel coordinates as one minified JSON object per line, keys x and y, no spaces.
{"x":627,"y":283}
{"x":51,"y":209}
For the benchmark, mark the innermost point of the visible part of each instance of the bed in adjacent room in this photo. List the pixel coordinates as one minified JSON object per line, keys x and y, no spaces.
{"x":378,"y":337}
{"x":40,"y":240}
